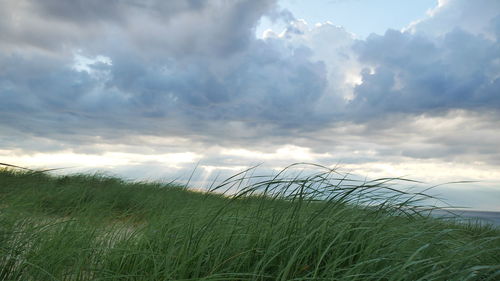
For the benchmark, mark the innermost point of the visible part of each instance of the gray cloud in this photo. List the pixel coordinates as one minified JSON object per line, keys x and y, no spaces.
{"x":448,"y":60}
{"x":195,"y":69}
{"x":414,"y":74}
{"x":154,"y":28}
{"x":171,"y":73}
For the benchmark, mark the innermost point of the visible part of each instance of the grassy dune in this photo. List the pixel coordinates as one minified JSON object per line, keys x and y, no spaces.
{"x":315,"y":227}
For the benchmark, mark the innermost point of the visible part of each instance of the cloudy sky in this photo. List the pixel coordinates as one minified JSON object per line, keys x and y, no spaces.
{"x":147,"y":89}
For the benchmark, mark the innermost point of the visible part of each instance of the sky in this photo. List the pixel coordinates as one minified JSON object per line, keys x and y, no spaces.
{"x":360,"y":17}
{"x":152,"y":89}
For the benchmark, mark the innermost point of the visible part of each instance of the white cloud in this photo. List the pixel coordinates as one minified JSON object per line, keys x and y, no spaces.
{"x":284,"y":153}
{"x":472,"y":16}
{"x":83,"y":63}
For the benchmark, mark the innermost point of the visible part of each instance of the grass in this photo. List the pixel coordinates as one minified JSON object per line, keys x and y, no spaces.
{"x":320,"y":226}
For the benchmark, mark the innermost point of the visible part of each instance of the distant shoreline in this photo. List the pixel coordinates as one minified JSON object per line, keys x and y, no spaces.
{"x":490,"y":217}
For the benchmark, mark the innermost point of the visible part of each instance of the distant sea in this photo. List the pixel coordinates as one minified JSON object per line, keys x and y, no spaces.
{"x":485,"y":217}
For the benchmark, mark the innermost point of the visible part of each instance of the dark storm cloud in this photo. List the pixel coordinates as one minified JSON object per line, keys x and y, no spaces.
{"x":154,"y":28}
{"x":81,"y":11}
{"x":416,"y":74}
{"x":175,"y":67}
{"x":195,"y":69}
{"x":85,"y":11}
{"x":260,"y":88}
{"x":448,"y":60}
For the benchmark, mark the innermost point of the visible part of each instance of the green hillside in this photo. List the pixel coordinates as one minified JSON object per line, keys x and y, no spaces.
{"x":315,"y":227}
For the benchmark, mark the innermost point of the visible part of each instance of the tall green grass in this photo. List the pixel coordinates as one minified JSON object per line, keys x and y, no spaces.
{"x":314,"y":226}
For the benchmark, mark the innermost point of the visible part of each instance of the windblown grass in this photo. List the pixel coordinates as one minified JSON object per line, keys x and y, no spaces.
{"x":320,"y":226}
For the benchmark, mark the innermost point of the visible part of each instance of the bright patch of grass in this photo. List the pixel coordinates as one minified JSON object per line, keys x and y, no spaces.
{"x":315,"y":227}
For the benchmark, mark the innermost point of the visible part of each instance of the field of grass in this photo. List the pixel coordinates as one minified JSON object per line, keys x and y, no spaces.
{"x":319,"y":226}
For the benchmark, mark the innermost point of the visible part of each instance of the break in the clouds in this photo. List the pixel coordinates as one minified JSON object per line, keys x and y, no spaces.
{"x":140,"y":85}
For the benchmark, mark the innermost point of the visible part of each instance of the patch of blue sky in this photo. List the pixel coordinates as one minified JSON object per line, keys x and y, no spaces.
{"x":361,"y":17}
